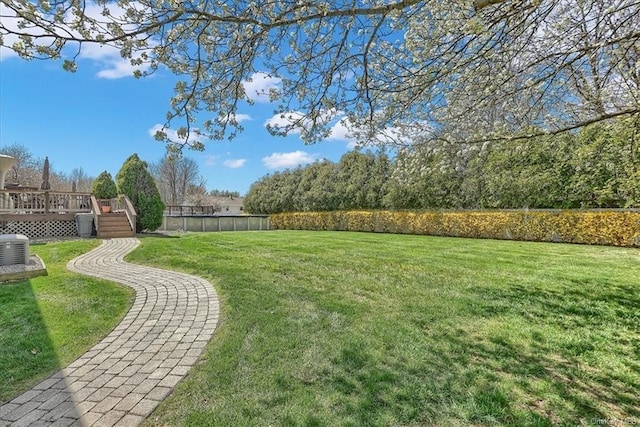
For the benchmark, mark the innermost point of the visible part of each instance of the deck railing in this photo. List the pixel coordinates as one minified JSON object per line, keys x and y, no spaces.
{"x":16,"y":201}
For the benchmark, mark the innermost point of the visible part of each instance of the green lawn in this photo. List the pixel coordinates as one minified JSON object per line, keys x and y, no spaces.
{"x":47,"y":322}
{"x":326,"y":328}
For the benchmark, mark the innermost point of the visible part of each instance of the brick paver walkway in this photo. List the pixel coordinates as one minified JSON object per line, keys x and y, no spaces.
{"x":125,"y":376}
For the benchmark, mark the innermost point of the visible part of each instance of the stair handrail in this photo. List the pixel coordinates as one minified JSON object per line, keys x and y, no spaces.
{"x":95,"y":207}
{"x":129,"y":210}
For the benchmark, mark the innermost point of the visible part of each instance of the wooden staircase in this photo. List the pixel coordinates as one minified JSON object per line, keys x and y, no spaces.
{"x":114,"y":225}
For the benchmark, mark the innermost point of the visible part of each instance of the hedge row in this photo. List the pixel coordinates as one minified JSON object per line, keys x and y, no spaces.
{"x":615,"y":228}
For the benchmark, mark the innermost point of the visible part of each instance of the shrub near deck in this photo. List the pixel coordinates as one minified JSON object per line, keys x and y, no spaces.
{"x":327,"y":328}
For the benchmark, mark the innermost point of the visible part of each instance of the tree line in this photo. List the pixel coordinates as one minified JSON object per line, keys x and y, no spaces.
{"x":27,"y":172}
{"x":598,"y":167}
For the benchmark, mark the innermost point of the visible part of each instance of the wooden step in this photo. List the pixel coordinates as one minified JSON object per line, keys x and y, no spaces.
{"x":114,"y":225}
{"x":116,"y":234}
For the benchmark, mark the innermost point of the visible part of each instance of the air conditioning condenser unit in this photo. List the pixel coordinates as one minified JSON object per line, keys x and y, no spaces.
{"x":14,"y":249}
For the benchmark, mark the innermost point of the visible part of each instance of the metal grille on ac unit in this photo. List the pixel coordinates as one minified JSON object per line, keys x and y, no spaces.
{"x":14,"y":249}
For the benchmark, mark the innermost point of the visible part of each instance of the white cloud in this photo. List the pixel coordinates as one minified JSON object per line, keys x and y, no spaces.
{"x":112,"y":65}
{"x":339,"y":131}
{"x":243,"y":118}
{"x":10,"y":22}
{"x":234,"y":163}
{"x":210,"y":160}
{"x":239,"y":118}
{"x":355,"y":135}
{"x":98,"y":52}
{"x":108,"y":58}
{"x":288,"y":160}
{"x":290,"y":121}
{"x":173,"y":136}
{"x":260,"y":85}
{"x":295,"y":122}
{"x":5,"y":52}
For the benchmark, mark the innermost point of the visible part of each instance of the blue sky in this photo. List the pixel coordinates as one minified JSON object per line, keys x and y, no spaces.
{"x":97,"y":117}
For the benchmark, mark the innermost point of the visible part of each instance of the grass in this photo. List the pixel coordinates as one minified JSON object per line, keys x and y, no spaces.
{"x":351,"y":329}
{"x":47,"y":322}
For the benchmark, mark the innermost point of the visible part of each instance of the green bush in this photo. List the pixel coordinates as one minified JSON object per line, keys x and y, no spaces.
{"x":104,"y":187}
{"x":135,"y":181}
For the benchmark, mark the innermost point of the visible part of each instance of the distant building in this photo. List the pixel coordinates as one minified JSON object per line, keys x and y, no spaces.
{"x":228,"y":205}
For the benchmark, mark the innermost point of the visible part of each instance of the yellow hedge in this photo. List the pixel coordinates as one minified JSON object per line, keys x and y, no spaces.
{"x":601,"y":227}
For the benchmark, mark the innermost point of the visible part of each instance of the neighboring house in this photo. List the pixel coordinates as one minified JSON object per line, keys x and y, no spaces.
{"x":228,"y":205}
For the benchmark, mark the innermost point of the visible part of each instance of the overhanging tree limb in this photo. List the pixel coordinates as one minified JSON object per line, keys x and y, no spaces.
{"x":414,"y":69}
{"x":481,"y":4}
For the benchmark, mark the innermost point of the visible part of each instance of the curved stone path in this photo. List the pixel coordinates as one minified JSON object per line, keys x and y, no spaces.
{"x":124,"y":377}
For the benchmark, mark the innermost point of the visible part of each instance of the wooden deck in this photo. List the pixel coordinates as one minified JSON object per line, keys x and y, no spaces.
{"x":53,"y":213}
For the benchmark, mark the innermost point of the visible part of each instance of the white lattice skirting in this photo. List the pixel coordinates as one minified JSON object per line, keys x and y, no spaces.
{"x":40,"y":229}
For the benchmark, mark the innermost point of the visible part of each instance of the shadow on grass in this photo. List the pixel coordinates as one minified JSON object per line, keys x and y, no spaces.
{"x":27,"y":354}
{"x":550,"y":385}
{"x":580,"y":373}
{"x":574,"y":347}
{"x":477,"y":383}
{"x":47,"y":323}
{"x":158,"y":235}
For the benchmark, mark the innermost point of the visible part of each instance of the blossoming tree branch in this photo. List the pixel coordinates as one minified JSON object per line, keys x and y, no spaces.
{"x":391,"y":71}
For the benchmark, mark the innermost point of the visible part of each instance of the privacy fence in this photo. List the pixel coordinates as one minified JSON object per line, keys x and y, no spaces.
{"x":215,"y":223}
{"x":599,"y":227}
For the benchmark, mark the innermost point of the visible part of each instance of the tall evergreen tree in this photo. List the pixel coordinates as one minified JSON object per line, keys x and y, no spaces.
{"x":135,"y":181}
